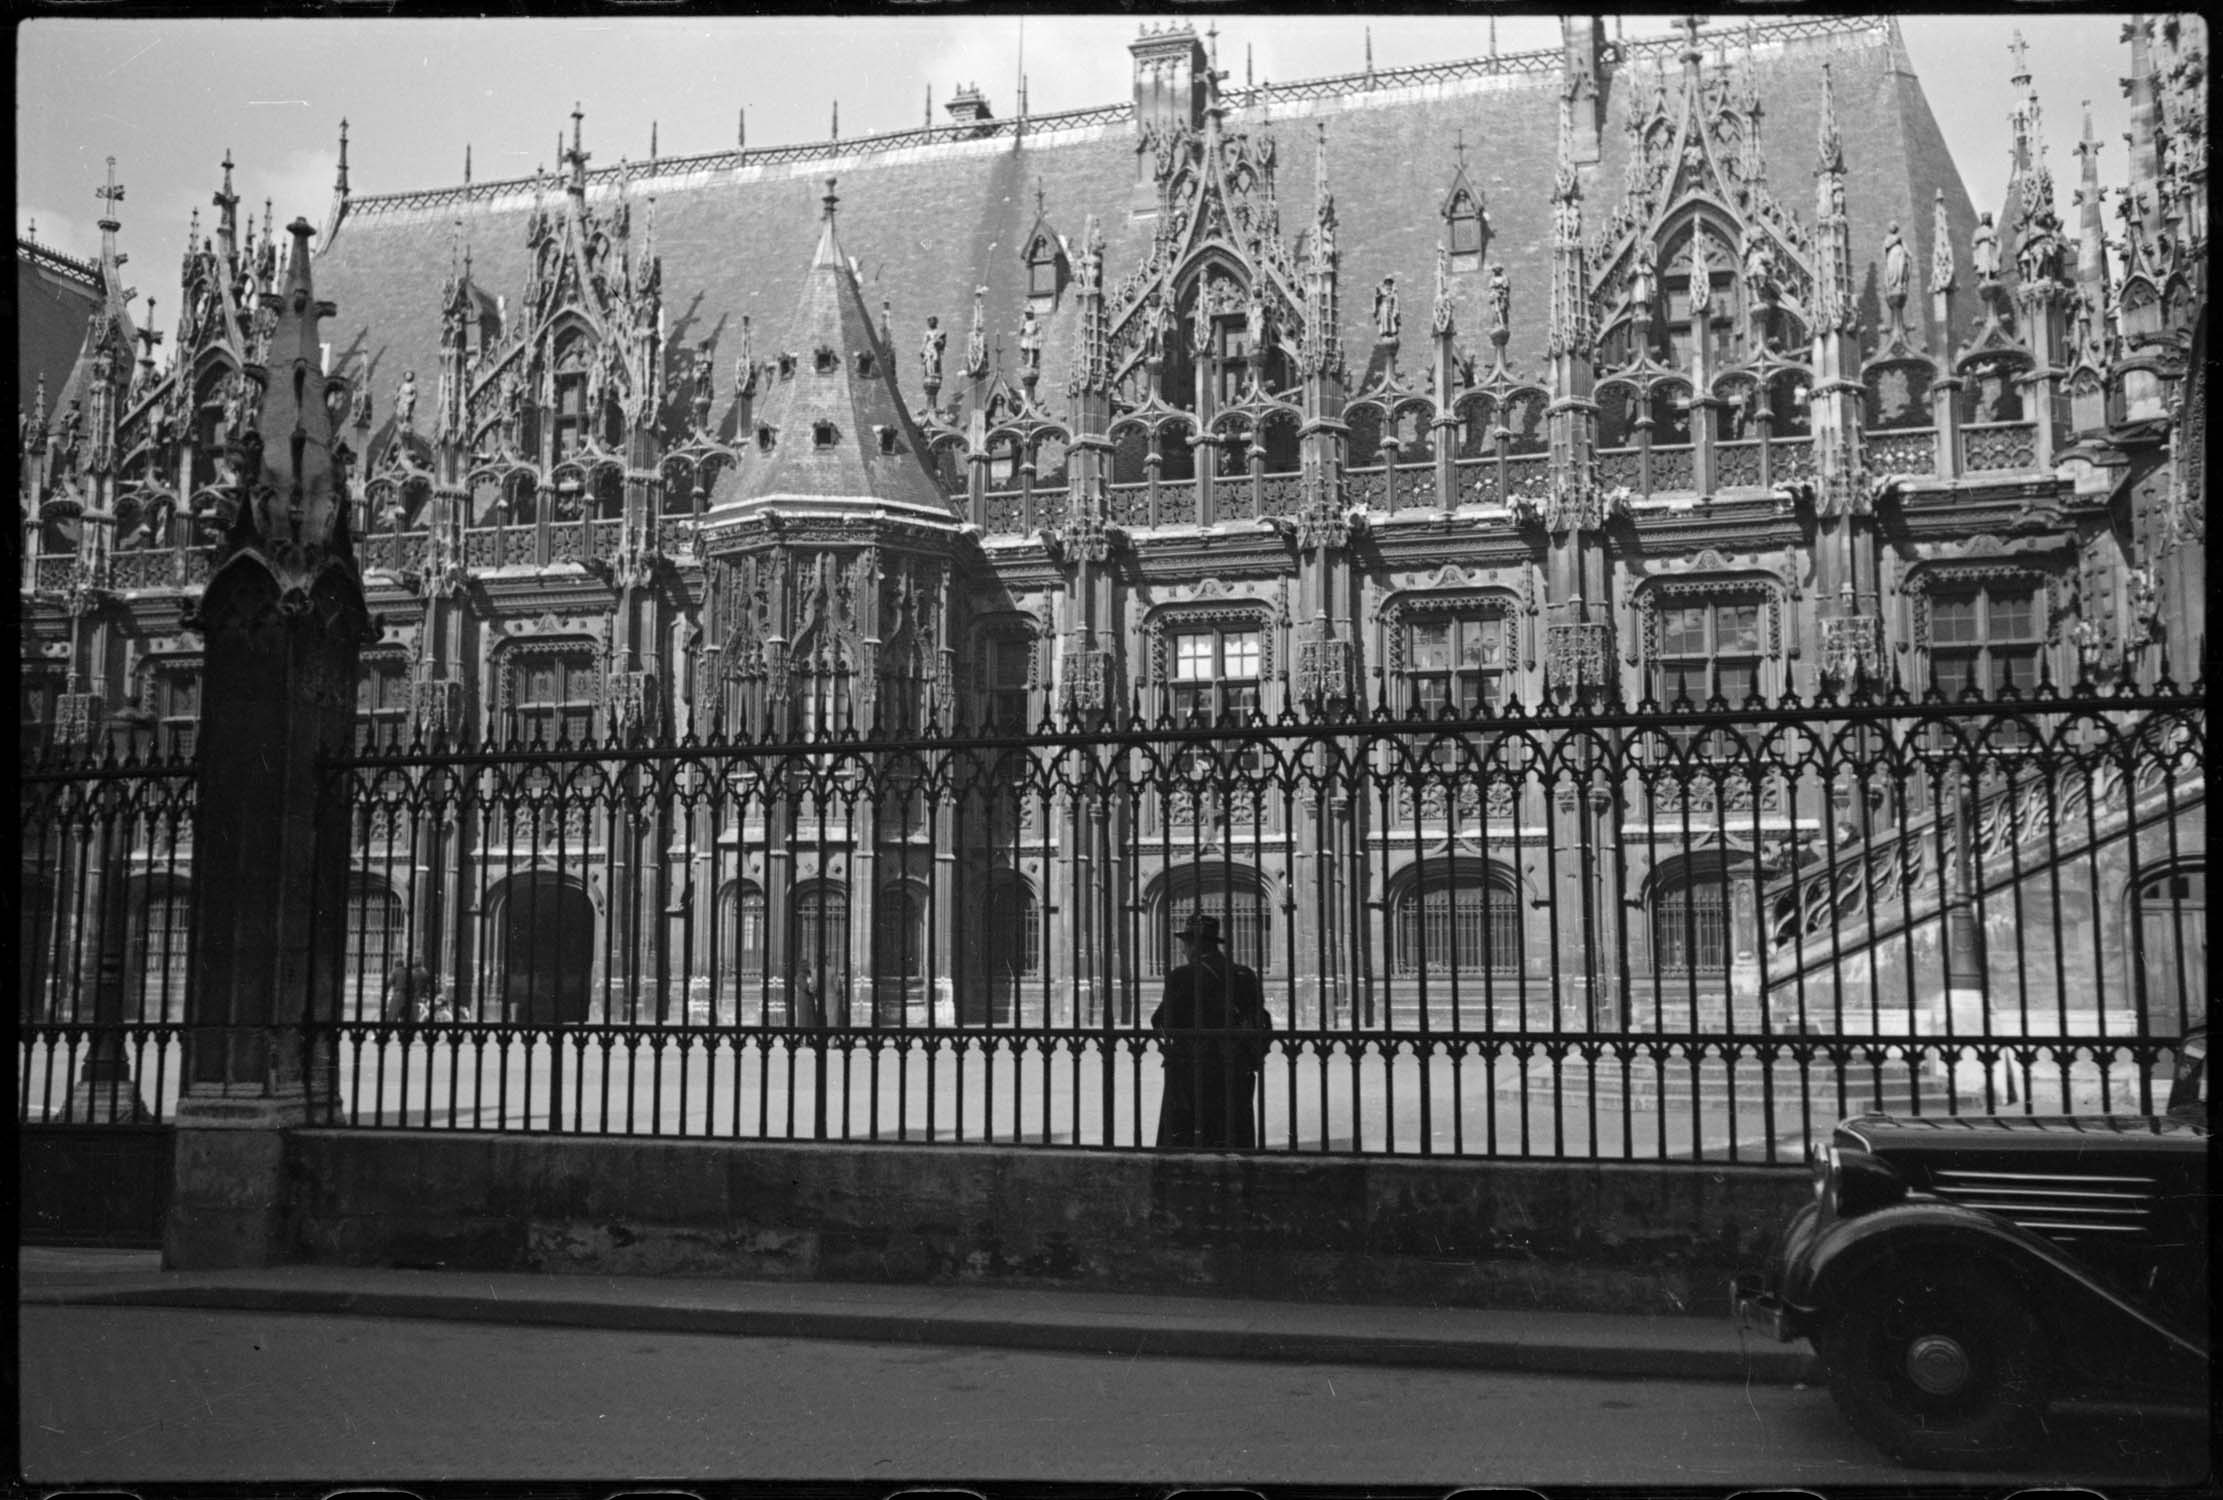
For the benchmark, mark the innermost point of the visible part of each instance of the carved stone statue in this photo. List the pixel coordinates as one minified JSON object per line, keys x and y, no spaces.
{"x":704,"y":391}
{"x":2036,"y":258}
{"x":1030,"y":345}
{"x":1643,"y":276}
{"x":1501,"y":301}
{"x":1759,"y":268}
{"x":405,"y":401}
{"x":66,"y":434}
{"x":976,"y":338}
{"x":1255,"y":317}
{"x":930,"y":351}
{"x":1701,"y":275}
{"x":1386,"y":317}
{"x":1898,"y":268}
{"x":1983,"y":249}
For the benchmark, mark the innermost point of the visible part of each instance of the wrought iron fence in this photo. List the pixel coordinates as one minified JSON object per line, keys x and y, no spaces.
{"x":1670,"y":933}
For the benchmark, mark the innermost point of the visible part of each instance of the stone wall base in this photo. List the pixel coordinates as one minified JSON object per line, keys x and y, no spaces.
{"x":229,"y":1194}
{"x":1654,"y":1239}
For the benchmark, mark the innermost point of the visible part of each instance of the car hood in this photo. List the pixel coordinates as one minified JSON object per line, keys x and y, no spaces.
{"x":1892,"y":1135}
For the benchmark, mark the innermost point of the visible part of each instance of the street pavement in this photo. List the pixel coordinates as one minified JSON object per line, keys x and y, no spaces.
{"x":116,"y":1394}
{"x":324,"y":1373}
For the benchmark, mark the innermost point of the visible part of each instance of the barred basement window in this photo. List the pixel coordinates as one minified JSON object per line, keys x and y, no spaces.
{"x":1467,"y":919}
{"x":1690,"y":925}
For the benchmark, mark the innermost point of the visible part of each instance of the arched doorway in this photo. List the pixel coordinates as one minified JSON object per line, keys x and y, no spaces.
{"x":547,"y":946}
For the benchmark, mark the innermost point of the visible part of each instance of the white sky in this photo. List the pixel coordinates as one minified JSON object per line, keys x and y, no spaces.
{"x":168,"y":97}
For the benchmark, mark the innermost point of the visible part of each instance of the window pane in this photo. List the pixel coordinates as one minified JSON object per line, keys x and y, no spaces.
{"x":1192,"y":658}
{"x":1740,"y":629}
{"x":1431,"y":695}
{"x":1683,"y":632}
{"x":1678,"y":683}
{"x":1482,"y":642}
{"x":2014,"y":617}
{"x":1954,"y":671}
{"x":2015,"y":669}
{"x":1738,"y":682}
{"x":1953,"y":621}
{"x":1431,"y":641}
{"x":1241,"y":652}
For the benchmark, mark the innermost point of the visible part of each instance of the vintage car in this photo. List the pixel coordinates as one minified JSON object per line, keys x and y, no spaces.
{"x":1956,"y":1273}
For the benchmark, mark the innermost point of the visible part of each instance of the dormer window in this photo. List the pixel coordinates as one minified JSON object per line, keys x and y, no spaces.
{"x":823,"y":434}
{"x":825,"y":360}
{"x":864,"y":364}
{"x":890,"y":439}
{"x":1465,"y":218}
{"x":763,"y":438}
{"x":1044,"y":256}
{"x":787,"y":366}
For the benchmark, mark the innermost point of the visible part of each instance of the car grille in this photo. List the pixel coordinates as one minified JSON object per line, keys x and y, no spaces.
{"x":2055,"y":1203}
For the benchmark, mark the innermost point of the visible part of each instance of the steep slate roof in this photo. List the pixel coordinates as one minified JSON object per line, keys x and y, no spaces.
{"x":855,"y":401}
{"x":54,"y":296}
{"x":930,"y":215}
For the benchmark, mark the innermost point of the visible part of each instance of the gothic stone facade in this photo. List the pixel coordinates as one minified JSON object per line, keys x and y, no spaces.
{"x":1654,"y":368}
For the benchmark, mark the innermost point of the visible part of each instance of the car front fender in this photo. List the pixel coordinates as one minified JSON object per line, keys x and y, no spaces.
{"x":2096,"y":1330}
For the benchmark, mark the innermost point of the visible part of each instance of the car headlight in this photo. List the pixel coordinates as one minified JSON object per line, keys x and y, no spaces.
{"x":1852,"y":1182}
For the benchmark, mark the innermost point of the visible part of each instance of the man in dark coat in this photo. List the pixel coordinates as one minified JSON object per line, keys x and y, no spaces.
{"x":1213,"y":1013}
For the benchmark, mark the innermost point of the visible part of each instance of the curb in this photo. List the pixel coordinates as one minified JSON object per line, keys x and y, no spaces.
{"x":1600,"y":1352}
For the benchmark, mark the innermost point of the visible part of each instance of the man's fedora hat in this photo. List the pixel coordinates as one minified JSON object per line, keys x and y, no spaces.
{"x":1201,"y":927}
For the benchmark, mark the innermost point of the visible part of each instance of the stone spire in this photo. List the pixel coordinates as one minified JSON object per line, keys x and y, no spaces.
{"x":1323,"y":347}
{"x":1942,"y":280}
{"x":338,"y":211}
{"x":1833,"y":290}
{"x":295,"y":496}
{"x":2090,"y":319}
{"x":1569,"y":327}
{"x":1835,"y":410}
{"x":2029,"y":179}
{"x":1576,"y":504}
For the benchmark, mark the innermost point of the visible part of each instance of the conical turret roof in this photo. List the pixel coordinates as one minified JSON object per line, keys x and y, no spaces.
{"x":830,"y":430}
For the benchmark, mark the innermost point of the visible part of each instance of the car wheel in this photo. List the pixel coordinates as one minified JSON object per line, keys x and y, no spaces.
{"x":1939,"y":1369}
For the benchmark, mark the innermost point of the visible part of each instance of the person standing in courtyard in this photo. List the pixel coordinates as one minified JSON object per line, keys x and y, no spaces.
{"x":1213,"y":1019}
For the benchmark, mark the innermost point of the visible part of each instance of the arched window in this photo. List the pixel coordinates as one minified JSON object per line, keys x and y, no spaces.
{"x":1012,"y":936}
{"x":821,"y":930}
{"x":740,"y":938}
{"x":1690,"y":923}
{"x":1233,"y":893}
{"x":1464,"y":916}
{"x":376,"y":940}
{"x":2172,"y":936}
{"x":899,"y":933}
{"x":42,"y":958}
{"x":1044,"y":266}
